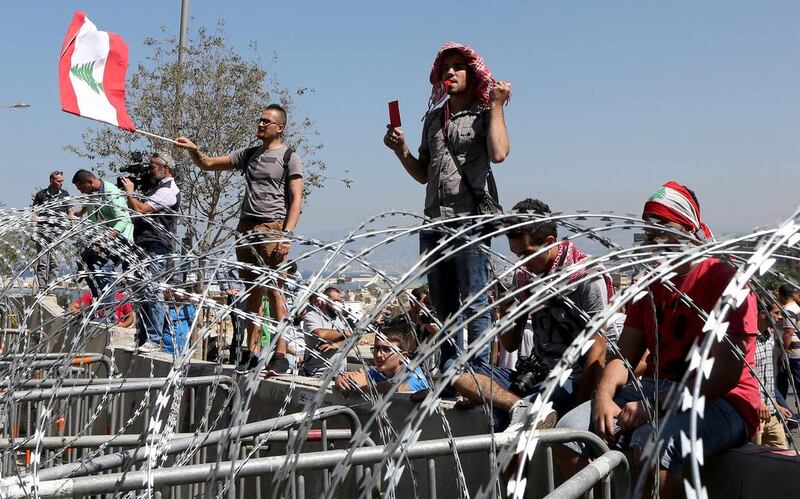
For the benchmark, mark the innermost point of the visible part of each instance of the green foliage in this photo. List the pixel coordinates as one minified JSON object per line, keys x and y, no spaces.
{"x":215,"y":98}
{"x":781,"y":274}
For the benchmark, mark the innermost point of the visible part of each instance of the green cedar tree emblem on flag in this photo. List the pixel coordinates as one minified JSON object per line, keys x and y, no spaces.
{"x":661,"y":193}
{"x":84,"y":73}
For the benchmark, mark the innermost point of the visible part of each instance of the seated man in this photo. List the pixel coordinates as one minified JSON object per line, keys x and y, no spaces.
{"x":668,"y":327}
{"x":325,"y":328}
{"x":392,"y":345}
{"x":555,"y":325}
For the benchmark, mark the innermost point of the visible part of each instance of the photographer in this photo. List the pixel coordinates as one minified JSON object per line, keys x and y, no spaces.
{"x":556,"y":325}
{"x":111,"y":234}
{"x":154,"y":232}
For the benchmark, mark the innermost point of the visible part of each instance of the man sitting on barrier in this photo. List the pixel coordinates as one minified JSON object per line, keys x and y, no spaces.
{"x":393,"y":343}
{"x":556,"y":324}
{"x":669,"y":328}
{"x":325,"y":327}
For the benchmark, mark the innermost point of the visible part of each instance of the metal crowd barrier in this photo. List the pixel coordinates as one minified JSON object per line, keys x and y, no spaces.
{"x":84,"y":407}
{"x":253,"y":436}
{"x":610,"y":467}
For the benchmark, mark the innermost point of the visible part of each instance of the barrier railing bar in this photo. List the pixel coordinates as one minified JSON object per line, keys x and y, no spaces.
{"x":583,"y":481}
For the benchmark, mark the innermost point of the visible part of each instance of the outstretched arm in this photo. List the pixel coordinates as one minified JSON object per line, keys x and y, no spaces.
{"x":205,"y":162}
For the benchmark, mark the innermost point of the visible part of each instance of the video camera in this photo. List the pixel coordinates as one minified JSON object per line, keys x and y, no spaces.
{"x":138,"y":171}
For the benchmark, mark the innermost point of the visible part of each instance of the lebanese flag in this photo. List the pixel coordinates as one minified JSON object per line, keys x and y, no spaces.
{"x":91,"y":73}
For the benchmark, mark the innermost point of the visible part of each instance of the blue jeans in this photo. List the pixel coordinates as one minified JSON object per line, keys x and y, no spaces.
{"x":151,"y":313}
{"x":720,"y":428}
{"x":782,"y":379}
{"x":450,"y":282}
{"x":101,"y":267}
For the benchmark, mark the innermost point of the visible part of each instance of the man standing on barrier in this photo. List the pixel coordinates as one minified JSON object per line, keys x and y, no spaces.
{"x":663,"y":324}
{"x":47,"y":266}
{"x":459,"y":141}
{"x":154,"y":231}
{"x":271,"y":208}
{"x":111,"y":247}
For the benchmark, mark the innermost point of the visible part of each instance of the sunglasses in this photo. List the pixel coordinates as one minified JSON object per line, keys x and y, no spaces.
{"x":268,"y":122}
{"x":385,"y":350}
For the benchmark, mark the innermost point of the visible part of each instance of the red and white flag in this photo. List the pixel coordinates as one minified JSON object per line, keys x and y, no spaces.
{"x":91,"y":73}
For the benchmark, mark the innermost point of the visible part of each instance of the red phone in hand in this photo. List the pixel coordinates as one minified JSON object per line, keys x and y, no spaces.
{"x":394,"y":113}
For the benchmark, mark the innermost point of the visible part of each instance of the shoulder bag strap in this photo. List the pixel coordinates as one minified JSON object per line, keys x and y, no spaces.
{"x":287,"y":156}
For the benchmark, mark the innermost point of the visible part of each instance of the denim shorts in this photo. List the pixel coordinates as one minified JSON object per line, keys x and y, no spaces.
{"x":720,"y":428}
{"x":499,"y":375}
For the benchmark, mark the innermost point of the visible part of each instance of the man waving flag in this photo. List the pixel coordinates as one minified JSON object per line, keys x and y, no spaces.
{"x":91,"y":73}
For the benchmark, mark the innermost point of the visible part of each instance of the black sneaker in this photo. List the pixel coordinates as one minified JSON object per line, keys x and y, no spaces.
{"x":278,"y":366}
{"x":246,"y":362}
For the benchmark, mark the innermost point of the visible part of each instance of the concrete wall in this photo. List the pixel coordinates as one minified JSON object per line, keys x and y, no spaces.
{"x":748,"y":472}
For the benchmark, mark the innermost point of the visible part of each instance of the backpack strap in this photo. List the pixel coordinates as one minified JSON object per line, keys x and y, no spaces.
{"x":287,"y":156}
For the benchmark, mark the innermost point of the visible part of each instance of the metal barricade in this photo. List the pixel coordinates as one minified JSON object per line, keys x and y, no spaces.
{"x":85,"y":407}
{"x":610,"y":464}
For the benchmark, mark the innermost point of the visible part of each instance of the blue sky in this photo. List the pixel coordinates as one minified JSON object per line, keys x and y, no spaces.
{"x":610,"y":99}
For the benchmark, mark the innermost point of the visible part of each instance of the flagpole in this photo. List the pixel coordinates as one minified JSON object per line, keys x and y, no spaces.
{"x":148,"y":134}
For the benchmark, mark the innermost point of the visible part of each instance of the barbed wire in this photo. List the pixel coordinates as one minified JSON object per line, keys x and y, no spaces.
{"x":42,"y":358}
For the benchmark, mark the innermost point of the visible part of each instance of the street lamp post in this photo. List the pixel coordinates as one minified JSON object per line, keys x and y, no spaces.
{"x":18,"y":105}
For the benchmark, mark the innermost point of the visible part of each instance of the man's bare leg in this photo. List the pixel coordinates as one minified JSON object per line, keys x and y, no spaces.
{"x":253,"y":306}
{"x":467,"y":386}
{"x":671,"y":485}
{"x":278,"y":311}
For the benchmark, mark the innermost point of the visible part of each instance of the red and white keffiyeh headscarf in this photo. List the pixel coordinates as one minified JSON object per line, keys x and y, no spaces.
{"x":572,"y":256}
{"x":673,"y":201}
{"x":482,"y":79}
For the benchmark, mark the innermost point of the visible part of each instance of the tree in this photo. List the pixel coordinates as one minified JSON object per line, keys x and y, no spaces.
{"x":215,"y":98}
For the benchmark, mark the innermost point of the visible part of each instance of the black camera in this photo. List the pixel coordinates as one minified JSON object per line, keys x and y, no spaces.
{"x":138,"y":172}
{"x":529,"y":372}
{"x":425,"y":318}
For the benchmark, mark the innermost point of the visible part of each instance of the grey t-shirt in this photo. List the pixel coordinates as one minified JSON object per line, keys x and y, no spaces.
{"x":315,"y":361}
{"x":556,"y":325}
{"x":265,"y":195}
{"x":446,"y":194}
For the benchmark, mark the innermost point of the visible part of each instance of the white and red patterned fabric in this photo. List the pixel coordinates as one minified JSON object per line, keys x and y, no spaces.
{"x":673,"y":201}
{"x":480,"y":71}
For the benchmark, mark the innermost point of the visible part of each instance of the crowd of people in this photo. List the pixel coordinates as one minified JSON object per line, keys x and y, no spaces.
{"x":616,"y":385}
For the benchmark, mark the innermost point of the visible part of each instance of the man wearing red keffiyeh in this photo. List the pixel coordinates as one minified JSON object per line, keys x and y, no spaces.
{"x":464,"y":131}
{"x":555,"y":325}
{"x":665,"y":325}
